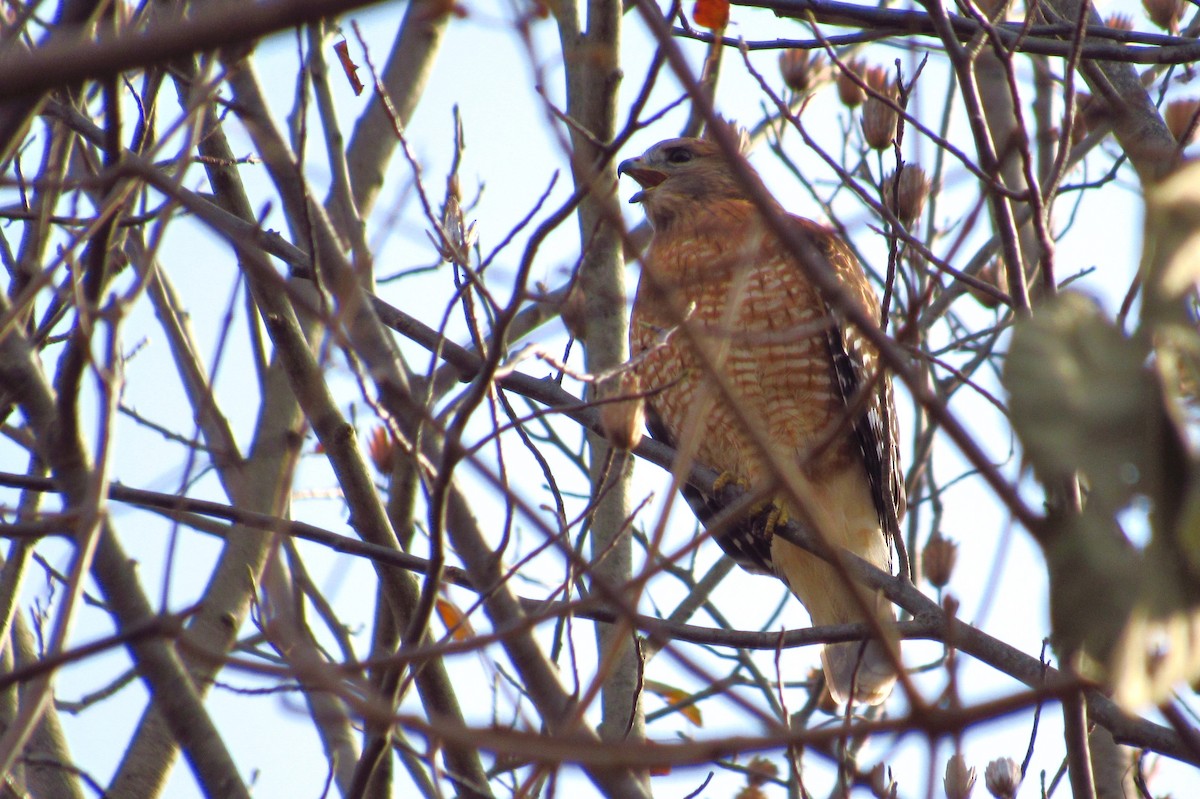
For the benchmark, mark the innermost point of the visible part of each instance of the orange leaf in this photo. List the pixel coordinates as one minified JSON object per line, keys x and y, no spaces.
{"x":456,"y":623}
{"x":676,"y":696}
{"x":382,"y":449}
{"x":711,"y":14}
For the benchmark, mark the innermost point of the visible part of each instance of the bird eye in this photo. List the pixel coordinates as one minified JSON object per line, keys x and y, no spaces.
{"x":679,"y":155}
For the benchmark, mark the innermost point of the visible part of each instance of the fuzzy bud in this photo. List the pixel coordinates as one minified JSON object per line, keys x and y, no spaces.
{"x":960,"y":779}
{"x":937,"y":560}
{"x":878,"y":117}
{"x":382,"y":448}
{"x":760,"y":770}
{"x":1166,"y":14}
{"x":881,"y":781}
{"x":1119,"y":22}
{"x":904,"y":194}
{"x":800,"y":69}
{"x":622,"y":411}
{"x":1002,"y":777}
{"x":994,"y":275}
{"x":1181,"y":119}
{"x":849,"y":92}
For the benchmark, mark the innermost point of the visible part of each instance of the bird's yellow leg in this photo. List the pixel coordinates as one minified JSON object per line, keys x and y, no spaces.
{"x":726,"y":479}
{"x":777,"y":517}
{"x":778,"y":513}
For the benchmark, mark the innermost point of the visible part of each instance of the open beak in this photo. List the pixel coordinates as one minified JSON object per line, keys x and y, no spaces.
{"x":646,"y":177}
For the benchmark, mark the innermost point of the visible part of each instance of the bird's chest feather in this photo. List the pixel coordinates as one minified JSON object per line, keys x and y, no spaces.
{"x":755,"y":321}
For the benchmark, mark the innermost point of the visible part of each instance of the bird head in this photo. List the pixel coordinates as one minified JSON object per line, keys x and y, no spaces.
{"x":676,"y":173}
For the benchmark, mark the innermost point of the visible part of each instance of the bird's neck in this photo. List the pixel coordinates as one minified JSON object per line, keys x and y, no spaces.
{"x":709,"y":245}
{"x":676,"y":216}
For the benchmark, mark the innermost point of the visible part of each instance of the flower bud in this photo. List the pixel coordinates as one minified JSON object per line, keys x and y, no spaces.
{"x":1166,"y":14}
{"x":881,"y":781}
{"x":800,"y":69}
{"x":382,"y":448}
{"x":904,"y":194}
{"x":1119,"y":22}
{"x":878,"y":117}
{"x":959,"y":780}
{"x":937,"y":560}
{"x":760,"y":770}
{"x":622,"y":409}
{"x":849,"y":92}
{"x":1181,"y":119}
{"x":994,"y":275}
{"x":1002,"y":777}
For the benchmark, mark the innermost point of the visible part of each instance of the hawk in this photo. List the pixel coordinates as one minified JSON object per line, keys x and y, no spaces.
{"x":811,"y":384}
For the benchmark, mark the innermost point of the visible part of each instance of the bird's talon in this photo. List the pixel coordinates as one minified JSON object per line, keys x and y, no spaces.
{"x":778,"y":517}
{"x":726,"y":479}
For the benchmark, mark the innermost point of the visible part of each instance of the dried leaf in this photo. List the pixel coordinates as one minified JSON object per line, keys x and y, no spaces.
{"x":456,"y":623}
{"x":348,"y":66}
{"x":711,"y":14}
{"x":677,"y":696}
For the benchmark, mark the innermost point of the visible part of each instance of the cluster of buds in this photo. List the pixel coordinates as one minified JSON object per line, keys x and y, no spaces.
{"x":879,"y":117}
{"x":904,"y":194}
{"x":1166,"y":14}
{"x":1002,"y":777}
{"x":960,"y":778}
{"x":1181,"y":118}
{"x":801,"y":70}
{"x":937,"y":560}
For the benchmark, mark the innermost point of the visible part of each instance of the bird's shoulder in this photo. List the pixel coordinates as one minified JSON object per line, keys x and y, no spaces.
{"x":838,"y":255}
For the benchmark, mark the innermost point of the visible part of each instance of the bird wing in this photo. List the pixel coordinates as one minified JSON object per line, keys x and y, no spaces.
{"x":857,"y":368}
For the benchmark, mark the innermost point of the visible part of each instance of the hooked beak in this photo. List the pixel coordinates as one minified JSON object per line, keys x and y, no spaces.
{"x":646,"y":177}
